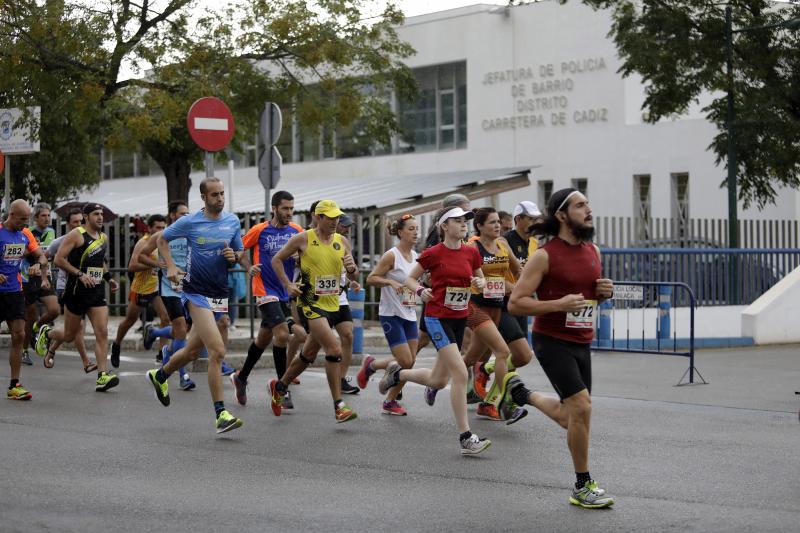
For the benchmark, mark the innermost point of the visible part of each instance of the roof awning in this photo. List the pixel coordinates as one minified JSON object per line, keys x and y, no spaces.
{"x":416,"y":193}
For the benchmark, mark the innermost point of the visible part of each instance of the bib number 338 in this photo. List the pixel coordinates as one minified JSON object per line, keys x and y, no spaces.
{"x":586,"y":318}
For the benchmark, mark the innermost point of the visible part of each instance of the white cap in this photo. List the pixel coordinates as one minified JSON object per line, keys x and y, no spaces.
{"x":456,"y":212}
{"x":527,"y":208}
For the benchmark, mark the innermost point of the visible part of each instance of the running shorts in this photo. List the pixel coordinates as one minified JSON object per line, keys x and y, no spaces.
{"x":398,"y":330}
{"x":446,"y":331}
{"x":568,"y":365}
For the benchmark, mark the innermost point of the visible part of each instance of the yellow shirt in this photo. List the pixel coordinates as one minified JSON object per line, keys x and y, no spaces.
{"x":320,"y":272}
{"x":146,"y":281}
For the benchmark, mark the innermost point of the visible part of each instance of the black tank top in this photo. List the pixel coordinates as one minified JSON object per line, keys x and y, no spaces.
{"x":90,"y":259}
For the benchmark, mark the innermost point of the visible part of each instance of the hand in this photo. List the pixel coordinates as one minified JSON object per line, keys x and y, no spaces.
{"x":478,"y":283}
{"x":175,"y":274}
{"x":426,"y":295}
{"x":294,"y":290}
{"x":87,"y":280}
{"x":349,"y":263}
{"x":113,"y":285}
{"x":255,"y":270}
{"x":355,"y":286}
{"x":605,"y":288}
{"x":45,"y":282}
{"x":35,"y":270}
{"x":572,"y":303}
{"x":229,"y":254}
{"x":397,"y":286}
{"x":2,"y":279}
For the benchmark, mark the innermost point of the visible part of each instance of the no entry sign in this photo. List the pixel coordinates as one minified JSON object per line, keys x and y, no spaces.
{"x":210,"y":124}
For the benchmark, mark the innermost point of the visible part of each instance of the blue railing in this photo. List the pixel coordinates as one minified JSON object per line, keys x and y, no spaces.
{"x":717,"y":276}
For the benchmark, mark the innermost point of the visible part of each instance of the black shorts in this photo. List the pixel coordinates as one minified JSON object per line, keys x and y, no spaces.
{"x":511,"y":327}
{"x":334,"y":317}
{"x":568,"y":365}
{"x":12,"y":306}
{"x":142,"y":300}
{"x":274,"y":314}
{"x":422,"y":327}
{"x":174,"y":307}
{"x":79,"y":304}
{"x":34,"y":292}
{"x":446,"y":331}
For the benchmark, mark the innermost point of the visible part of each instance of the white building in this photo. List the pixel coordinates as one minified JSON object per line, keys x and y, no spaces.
{"x":532,"y":86}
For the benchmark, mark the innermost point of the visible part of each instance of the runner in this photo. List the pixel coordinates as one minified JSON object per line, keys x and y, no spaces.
{"x":17,"y":242}
{"x":36,"y":288}
{"x":344,"y":319}
{"x":454,"y":268}
{"x":74,"y":219}
{"x":397,"y":310}
{"x":323,"y":252}
{"x":500,"y":269}
{"x":144,"y":288}
{"x":266,"y":239}
{"x":506,"y":221}
{"x":565,"y":275}
{"x":170,"y":296}
{"x":82,"y":255}
{"x":214,"y":242}
{"x":523,"y":243}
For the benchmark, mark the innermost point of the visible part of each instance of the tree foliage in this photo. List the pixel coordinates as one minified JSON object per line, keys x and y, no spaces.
{"x":678,"y":48}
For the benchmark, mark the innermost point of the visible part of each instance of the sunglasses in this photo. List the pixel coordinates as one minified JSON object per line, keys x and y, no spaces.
{"x":406,"y":217}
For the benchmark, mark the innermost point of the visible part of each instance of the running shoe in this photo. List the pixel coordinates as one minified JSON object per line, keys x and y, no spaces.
{"x":35,"y":330}
{"x":473,"y":398}
{"x":344,"y":413}
{"x":115,"y":354}
{"x":487,"y":411}
{"x":430,"y":395}
{"x":227,"y":422}
{"x":18,"y":393}
{"x":163,"y":355}
{"x":474,"y":445}
{"x":147,"y":337}
{"x":287,"y":401}
{"x":161,"y":389}
{"x":590,"y":496}
{"x":42,"y":342}
{"x":227,"y":369}
{"x":239,"y":388}
{"x":106,"y":381}
{"x":511,"y":382}
{"x":347,"y":388}
{"x":393,"y":408}
{"x":277,"y":397}
{"x":26,"y":359}
{"x":390,"y":378}
{"x":366,"y":371}
{"x":187,"y":383}
{"x":480,"y":379}
{"x":512,"y":413}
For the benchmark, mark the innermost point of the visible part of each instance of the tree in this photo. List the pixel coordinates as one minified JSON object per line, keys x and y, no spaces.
{"x":678,"y":48}
{"x":327,"y":63}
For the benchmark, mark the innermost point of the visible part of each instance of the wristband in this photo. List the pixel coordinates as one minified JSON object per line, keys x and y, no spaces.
{"x":420,"y":289}
{"x":107,"y":275}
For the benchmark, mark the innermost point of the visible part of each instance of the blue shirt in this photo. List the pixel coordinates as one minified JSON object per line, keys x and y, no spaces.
{"x":14,"y":246}
{"x":266,"y":241}
{"x":206,"y":268}
{"x":179,"y":250}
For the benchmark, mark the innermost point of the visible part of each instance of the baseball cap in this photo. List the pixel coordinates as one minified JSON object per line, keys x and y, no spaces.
{"x":345,"y":220}
{"x":456,"y":212}
{"x":329,"y":208}
{"x":527,"y":208}
{"x":91,"y":207}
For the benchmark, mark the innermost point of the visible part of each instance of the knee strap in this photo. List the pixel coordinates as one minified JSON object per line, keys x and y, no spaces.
{"x":307,"y":362}
{"x":333,"y":358}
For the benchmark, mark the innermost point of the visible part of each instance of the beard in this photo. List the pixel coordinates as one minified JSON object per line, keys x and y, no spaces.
{"x":581,"y":232}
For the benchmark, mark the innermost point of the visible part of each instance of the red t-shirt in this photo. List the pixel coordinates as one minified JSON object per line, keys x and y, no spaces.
{"x":451,"y":271}
{"x":572,"y":270}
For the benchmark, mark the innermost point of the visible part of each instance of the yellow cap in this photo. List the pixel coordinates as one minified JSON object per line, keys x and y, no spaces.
{"x":329,"y":208}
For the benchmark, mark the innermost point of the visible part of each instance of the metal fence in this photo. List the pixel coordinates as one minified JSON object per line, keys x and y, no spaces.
{"x":716,"y":276}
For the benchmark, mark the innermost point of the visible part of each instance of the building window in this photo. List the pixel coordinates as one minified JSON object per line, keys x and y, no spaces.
{"x":545,"y":191}
{"x":680,"y":203}
{"x":641,"y":206}
{"x":582,"y":184}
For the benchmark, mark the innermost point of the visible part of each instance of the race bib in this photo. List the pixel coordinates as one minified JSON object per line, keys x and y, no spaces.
{"x":494,"y":288}
{"x":409,"y":298}
{"x":326,"y":285}
{"x":13,"y":252}
{"x":218,"y":305}
{"x":585,"y":318}
{"x":456,"y":298}
{"x":261,"y":300}
{"x":96,"y":273}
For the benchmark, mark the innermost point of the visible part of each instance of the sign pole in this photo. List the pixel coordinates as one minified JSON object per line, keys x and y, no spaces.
{"x":209,"y":164}
{"x":7,"y":172}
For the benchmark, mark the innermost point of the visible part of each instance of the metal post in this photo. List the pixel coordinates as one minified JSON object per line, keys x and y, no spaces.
{"x":664,"y":306}
{"x":7,"y":194}
{"x":229,"y":187}
{"x":209,"y":164}
{"x":733,"y":223}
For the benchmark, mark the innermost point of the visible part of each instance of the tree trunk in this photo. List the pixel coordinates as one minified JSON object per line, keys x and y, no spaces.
{"x":176,"y":170}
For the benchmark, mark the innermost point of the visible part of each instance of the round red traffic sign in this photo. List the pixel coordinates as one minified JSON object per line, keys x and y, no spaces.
{"x":210,"y":124}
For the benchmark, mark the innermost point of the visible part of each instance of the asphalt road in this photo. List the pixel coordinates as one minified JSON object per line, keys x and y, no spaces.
{"x":716,"y":457}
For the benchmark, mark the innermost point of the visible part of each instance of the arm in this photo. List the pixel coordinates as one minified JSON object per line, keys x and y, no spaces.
{"x":513,"y":262}
{"x":173,"y":272}
{"x":522,"y":301}
{"x":377,"y":278}
{"x":605,"y":287}
{"x":72,"y":240}
{"x":411,"y":282}
{"x":140,"y":257}
{"x":349,"y":263}
{"x":295,"y":245}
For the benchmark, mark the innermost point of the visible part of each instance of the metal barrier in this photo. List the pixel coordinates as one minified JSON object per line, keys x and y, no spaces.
{"x":649,"y":308}
{"x":717,"y":276}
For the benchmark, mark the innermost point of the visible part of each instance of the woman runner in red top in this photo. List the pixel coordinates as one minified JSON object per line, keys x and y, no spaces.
{"x":454,"y":268}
